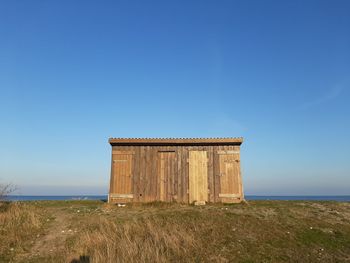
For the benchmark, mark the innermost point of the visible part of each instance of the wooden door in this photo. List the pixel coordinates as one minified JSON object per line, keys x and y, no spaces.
{"x":230,"y":181}
{"x":166,"y":176}
{"x":198,"y":177}
{"x":121,"y":186}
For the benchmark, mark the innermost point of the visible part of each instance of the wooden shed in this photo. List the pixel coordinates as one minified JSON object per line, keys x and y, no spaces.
{"x":189,"y":170}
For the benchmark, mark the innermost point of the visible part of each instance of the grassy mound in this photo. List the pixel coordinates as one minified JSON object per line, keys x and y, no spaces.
{"x":261,"y":231}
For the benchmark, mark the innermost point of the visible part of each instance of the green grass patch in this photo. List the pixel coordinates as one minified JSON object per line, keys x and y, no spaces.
{"x":327,"y":239}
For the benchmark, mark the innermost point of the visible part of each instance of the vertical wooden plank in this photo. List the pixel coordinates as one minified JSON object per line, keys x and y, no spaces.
{"x":126,"y":173}
{"x":240,"y":173}
{"x":124,"y":167}
{"x":117,"y":176}
{"x":200,"y":174}
{"x":165,"y":171}
{"x":146,"y":176}
{"x":223,"y":174}
{"x":166,"y":177}
{"x":149,"y":173}
{"x":175,"y":176}
{"x":161,"y":178}
{"x":210,"y":173}
{"x":204,"y":175}
{"x":148,"y":179}
{"x":158,"y":174}
{"x":179,"y":192}
{"x":222,"y":148}
{"x":185,"y":173}
{"x":153,"y":177}
{"x":159,"y":170}
{"x":122,"y":174}
{"x":217,"y":173}
{"x":192,"y":177}
{"x":172,"y":174}
{"x":169,"y":175}
{"x":169,"y":179}
{"x":142,"y":173}
{"x":119,"y":169}
{"x":112,"y":179}
{"x":131,"y":182}
{"x":183,"y":170}
{"x":234,"y":170}
{"x":136,"y":174}
{"x":130,"y":174}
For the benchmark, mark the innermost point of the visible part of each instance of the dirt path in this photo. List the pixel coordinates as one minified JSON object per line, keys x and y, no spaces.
{"x":54,"y":238}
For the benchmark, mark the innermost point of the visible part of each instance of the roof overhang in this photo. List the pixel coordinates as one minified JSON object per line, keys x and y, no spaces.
{"x":175,"y":141}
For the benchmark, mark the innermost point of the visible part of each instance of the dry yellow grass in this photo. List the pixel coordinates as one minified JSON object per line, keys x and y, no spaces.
{"x":144,"y":240}
{"x":18,"y":223}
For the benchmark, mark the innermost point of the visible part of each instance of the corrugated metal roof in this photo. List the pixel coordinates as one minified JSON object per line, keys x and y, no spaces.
{"x":175,"y":141}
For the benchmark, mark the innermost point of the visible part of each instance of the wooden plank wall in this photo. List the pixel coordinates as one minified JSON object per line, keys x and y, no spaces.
{"x":145,"y":178}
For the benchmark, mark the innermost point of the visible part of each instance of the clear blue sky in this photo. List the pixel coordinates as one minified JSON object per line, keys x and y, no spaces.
{"x":74,"y":73}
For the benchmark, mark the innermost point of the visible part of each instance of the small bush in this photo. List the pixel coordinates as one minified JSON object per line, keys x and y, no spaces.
{"x":5,"y":190}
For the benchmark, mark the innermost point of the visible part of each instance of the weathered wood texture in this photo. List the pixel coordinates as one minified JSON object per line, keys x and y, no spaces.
{"x":183,"y":173}
{"x":198,"y":177}
{"x":121,"y":181}
{"x":230,"y":183}
{"x":166,"y":186}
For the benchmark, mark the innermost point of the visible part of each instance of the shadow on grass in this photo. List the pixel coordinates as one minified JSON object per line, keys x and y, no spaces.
{"x":81,"y":259}
{"x":4,"y":206}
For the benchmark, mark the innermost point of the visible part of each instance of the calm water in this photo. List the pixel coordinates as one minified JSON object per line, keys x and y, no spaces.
{"x":340,"y":198}
{"x":55,"y":197}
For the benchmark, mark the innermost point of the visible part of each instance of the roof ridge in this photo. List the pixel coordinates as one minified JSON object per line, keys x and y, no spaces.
{"x":176,"y":141}
{"x":173,"y":138}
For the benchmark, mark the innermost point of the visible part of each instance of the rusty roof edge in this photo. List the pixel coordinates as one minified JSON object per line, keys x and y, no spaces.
{"x":145,"y":141}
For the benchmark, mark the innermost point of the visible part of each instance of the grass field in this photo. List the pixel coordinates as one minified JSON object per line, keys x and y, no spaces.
{"x":93,"y":231}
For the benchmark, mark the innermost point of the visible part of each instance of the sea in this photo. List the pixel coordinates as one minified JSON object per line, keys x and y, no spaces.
{"x":339,"y":198}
